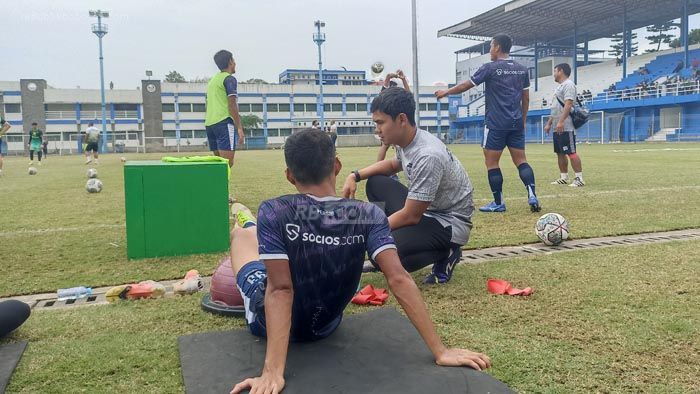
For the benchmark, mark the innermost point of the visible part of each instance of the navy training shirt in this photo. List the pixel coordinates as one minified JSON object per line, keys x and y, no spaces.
{"x":324,"y":241}
{"x":505,"y":80}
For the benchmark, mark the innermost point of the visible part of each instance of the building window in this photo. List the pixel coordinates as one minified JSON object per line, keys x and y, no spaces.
{"x":167,"y":108}
{"x":200,"y":134}
{"x":272,"y":107}
{"x":432,"y":106}
{"x":336,"y":107}
{"x":243,"y":107}
{"x":310,"y":107}
{"x":285,"y":132}
{"x":117,"y":107}
{"x":97,"y":107}
{"x":283,"y":107}
{"x":298,"y":107}
{"x":256,"y":108}
{"x":362,"y":107}
{"x":13,"y":108}
{"x":199,"y":108}
{"x":169,"y":134}
{"x":184,"y":107}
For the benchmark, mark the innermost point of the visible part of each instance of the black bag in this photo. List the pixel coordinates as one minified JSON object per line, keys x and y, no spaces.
{"x":579,"y":113}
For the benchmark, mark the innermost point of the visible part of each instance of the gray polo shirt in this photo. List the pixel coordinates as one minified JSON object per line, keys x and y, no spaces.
{"x":435,"y":175}
{"x":565,"y":91}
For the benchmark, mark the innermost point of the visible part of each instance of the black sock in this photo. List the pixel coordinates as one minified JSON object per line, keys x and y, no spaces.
{"x":528,"y":178}
{"x":496,"y":183}
{"x":31,"y":155}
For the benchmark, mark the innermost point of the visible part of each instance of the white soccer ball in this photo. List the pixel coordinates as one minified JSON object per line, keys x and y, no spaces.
{"x":123,"y":159}
{"x":377,"y":67}
{"x":92,"y":173}
{"x":552,"y":229}
{"x":93,"y":185}
{"x":32,"y":170}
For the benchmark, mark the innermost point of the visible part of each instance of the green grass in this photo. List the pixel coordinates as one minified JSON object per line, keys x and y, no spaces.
{"x":53,"y":234}
{"x":621,"y":319}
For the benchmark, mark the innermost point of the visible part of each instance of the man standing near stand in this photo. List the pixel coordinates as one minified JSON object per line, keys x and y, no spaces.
{"x":507,"y":102}
{"x":564,"y":132}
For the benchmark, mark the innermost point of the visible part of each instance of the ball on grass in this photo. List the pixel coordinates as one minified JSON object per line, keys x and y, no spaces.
{"x":93,"y":185}
{"x":32,"y":171}
{"x":552,"y":229}
{"x":92,"y":173}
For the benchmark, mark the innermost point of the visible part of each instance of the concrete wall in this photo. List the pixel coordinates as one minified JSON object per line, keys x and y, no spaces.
{"x":32,"y":92}
{"x":152,"y":113}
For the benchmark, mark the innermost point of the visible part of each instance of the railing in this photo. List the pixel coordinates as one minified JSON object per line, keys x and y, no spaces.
{"x":97,"y":115}
{"x":641,"y":93}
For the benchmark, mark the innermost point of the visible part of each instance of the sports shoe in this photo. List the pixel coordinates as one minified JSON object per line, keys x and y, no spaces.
{"x":577,"y":183}
{"x":88,"y":161}
{"x":442,"y":271}
{"x":493,"y":207}
{"x":31,"y":163}
{"x":39,"y":164}
{"x":534,"y":204}
{"x":242,"y":214}
{"x":560,"y":181}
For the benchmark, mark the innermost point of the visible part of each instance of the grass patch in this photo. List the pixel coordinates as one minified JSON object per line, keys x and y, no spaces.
{"x":619,"y":319}
{"x":56,"y":235}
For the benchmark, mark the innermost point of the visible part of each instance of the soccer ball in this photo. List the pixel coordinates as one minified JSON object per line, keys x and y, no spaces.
{"x":32,"y":170}
{"x":377,"y":67}
{"x":93,"y":185}
{"x":552,"y":229}
{"x":123,"y":159}
{"x":92,"y":173}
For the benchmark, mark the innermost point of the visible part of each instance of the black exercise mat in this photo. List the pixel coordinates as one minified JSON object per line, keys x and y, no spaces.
{"x":375,"y":352}
{"x":9,"y":357}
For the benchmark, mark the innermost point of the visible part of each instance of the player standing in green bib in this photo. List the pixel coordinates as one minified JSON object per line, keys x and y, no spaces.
{"x":36,"y":138}
{"x":223,"y":122}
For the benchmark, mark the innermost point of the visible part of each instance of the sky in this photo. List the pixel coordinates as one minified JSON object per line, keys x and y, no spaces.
{"x":52,"y":39}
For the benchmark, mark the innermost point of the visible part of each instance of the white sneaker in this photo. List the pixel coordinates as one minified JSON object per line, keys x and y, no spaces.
{"x":577,"y":183}
{"x":39,"y":164}
{"x":560,"y":181}
{"x":88,"y":161}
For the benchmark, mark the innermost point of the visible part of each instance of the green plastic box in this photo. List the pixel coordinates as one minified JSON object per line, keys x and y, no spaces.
{"x":175,"y":209}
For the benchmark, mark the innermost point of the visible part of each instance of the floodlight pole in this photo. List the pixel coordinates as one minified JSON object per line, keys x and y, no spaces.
{"x":100,"y":31}
{"x":414,"y":36}
{"x":319,"y":39}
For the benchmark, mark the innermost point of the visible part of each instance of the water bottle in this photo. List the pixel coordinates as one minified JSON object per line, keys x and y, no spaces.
{"x":73,"y":293}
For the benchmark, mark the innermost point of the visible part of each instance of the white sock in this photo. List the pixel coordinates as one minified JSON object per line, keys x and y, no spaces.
{"x":564,"y":175}
{"x":579,"y":175}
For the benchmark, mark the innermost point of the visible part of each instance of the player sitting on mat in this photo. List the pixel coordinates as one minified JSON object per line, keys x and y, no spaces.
{"x":298,"y":267}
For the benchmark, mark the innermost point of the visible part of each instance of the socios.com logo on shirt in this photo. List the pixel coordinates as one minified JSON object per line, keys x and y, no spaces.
{"x":293,"y":234}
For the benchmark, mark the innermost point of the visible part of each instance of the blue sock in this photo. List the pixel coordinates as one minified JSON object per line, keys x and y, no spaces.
{"x":496,"y":183}
{"x":528,"y":178}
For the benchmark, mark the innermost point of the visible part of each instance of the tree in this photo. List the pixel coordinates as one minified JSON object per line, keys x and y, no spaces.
{"x":174,"y":77}
{"x":617,"y":45}
{"x":256,"y":80}
{"x":693,"y":38}
{"x":660,"y":35}
{"x":250,"y":121}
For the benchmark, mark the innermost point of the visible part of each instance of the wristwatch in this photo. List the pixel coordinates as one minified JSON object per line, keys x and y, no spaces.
{"x":357,"y":175}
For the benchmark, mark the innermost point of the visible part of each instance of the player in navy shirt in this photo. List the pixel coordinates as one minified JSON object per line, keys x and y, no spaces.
{"x":506,"y":85}
{"x":298,"y":267}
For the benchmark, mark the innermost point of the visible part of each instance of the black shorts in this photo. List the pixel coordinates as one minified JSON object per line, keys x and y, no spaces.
{"x":91,"y":146}
{"x":564,"y":143}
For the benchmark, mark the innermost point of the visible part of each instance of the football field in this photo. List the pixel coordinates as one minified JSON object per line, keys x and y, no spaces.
{"x":615,"y":319}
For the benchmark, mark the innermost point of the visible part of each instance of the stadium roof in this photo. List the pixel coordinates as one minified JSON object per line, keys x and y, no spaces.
{"x":530,"y":21}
